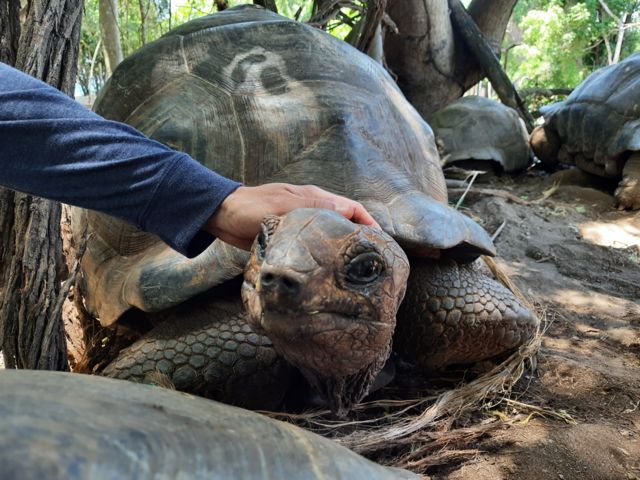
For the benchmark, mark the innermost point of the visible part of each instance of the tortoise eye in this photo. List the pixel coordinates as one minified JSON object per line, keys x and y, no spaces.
{"x":365,"y":268}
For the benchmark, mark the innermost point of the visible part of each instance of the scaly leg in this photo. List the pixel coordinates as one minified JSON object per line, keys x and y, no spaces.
{"x":208,"y":349}
{"x":455,"y":314}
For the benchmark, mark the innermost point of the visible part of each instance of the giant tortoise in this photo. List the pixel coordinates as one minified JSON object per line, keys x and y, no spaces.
{"x":478,"y":128}
{"x":63,"y":426}
{"x":261,"y":98}
{"x":597,"y":128}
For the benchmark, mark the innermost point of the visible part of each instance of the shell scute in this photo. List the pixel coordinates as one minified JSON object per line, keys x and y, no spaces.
{"x":260,"y":98}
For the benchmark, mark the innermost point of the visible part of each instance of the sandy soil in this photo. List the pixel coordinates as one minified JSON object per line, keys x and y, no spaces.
{"x":579,"y":259}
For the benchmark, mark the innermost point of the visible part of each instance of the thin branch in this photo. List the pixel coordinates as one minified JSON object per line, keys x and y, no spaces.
{"x":620,"y":39}
{"x":608,"y":46}
{"x":608,"y":10}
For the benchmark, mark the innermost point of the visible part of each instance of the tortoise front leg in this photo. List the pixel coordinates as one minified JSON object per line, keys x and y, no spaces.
{"x":628,"y":191}
{"x":208,"y":349}
{"x":455,"y":314}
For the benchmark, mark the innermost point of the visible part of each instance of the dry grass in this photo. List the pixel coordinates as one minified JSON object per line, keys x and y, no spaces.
{"x":423,"y":432}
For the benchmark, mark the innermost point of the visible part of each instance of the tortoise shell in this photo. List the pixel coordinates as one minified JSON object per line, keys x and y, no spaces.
{"x":260,"y":98}
{"x":600,"y":121}
{"x":478,"y":128}
{"x":69,"y":426}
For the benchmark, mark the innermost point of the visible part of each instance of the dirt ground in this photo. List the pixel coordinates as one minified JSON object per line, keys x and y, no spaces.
{"x":578,"y":259}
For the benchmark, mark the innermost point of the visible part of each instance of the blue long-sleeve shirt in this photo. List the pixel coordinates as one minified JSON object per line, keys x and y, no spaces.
{"x":53,"y":147}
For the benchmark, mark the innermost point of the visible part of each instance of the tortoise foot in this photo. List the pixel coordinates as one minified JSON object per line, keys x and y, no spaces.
{"x":207,"y":350}
{"x":628,"y":192}
{"x":455,"y":314}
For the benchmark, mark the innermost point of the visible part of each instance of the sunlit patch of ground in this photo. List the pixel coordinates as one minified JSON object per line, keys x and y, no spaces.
{"x":591,"y":302}
{"x":615,"y":233}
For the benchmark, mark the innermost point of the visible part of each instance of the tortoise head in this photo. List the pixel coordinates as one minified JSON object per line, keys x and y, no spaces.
{"x":545,"y":143}
{"x":326,"y":292}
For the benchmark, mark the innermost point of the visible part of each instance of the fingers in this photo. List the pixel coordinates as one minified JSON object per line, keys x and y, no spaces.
{"x":360,"y":215}
{"x":237,"y":220}
{"x":348,"y":208}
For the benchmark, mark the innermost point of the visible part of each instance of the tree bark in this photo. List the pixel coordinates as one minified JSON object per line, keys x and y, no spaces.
{"x":31,"y":329}
{"x":432,"y":63}
{"x":9,"y":35}
{"x":371,"y":26}
{"x":9,"y":30}
{"x":110,"y":33}
{"x":489,"y":62}
{"x":143,"y":22}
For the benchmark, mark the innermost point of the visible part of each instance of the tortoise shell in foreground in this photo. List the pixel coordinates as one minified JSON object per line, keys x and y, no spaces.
{"x":597,"y":128}
{"x":65,"y":426}
{"x":261,"y":98}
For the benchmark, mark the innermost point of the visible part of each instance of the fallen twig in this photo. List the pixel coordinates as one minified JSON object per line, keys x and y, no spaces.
{"x":490,"y":192}
{"x":498,"y":231}
{"x":464,"y":194}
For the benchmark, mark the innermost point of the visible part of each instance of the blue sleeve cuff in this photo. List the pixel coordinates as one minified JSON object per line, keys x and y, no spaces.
{"x":187,"y":197}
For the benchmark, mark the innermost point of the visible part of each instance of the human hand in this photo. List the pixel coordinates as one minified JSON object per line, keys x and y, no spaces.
{"x":237,"y":220}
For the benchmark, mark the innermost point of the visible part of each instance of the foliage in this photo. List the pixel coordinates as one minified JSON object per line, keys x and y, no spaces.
{"x":300,"y":9}
{"x":554,"y":42}
{"x":563,"y":41}
{"x":92,"y":69}
{"x":142,"y":21}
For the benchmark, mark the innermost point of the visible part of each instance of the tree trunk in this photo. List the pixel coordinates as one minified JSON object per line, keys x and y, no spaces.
{"x":31,"y":329}
{"x":432,"y":63}
{"x":110,"y":33}
{"x":486,"y":57}
{"x":9,"y":35}
{"x":370,"y":30}
{"x":614,"y":57}
{"x":143,"y":22}
{"x":9,"y":30}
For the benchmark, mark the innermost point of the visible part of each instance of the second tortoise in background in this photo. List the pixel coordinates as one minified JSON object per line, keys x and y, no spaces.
{"x":597,"y":128}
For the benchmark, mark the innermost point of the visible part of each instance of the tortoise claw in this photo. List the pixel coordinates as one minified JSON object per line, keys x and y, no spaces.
{"x":628,"y":194}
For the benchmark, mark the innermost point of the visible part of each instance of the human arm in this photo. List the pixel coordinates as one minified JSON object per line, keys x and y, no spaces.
{"x":53,"y":147}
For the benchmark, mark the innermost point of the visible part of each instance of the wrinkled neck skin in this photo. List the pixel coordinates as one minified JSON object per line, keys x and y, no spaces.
{"x":326,"y":291}
{"x":342,"y":393}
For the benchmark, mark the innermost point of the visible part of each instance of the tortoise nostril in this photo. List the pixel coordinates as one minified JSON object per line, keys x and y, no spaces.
{"x":289,"y":286}
{"x":289,"y":283}
{"x":281,"y":283}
